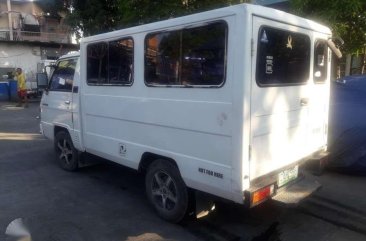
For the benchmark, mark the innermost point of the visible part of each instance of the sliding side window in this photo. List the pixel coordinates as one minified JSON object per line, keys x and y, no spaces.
{"x":189,"y":57}
{"x":97,"y":63}
{"x":162,"y":58}
{"x":120,"y":62}
{"x":110,"y":63}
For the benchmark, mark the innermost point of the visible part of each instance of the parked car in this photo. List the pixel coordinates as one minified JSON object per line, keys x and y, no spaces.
{"x":347,"y":128}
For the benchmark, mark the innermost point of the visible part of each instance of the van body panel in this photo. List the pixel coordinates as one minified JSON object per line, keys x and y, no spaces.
{"x":56,"y":109}
{"x":76,"y":134}
{"x":175,"y":121}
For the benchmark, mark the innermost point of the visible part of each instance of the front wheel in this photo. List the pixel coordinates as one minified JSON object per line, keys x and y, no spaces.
{"x":66,"y":154}
{"x":167,"y":191}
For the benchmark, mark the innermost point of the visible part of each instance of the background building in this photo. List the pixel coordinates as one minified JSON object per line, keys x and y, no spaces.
{"x":29,"y":35}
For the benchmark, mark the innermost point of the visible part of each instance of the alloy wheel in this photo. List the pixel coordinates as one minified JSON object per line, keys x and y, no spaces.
{"x":65,"y":151}
{"x":164,"y":191}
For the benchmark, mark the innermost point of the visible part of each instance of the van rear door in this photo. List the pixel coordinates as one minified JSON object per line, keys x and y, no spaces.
{"x":320,"y":86}
{"x":280,"y":95}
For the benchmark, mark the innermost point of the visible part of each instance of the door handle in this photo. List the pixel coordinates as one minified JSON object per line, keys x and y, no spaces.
{"x":304,"y":101}
{"x":67,"y":102}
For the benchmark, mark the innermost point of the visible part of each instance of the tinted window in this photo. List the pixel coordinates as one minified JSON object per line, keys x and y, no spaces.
{"x":283,"y":57}
{"x":63,"y":75}
{"x":120,"y":62}
{"x":192,"y":56}
{"x":110,"y":63}
{"x":97,"y":63}
{"x":320,"y":61}
{"x":162,"y":59}
{"x":203,"y":55}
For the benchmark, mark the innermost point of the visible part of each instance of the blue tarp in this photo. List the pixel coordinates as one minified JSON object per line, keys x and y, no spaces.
{"x":347,"y":123}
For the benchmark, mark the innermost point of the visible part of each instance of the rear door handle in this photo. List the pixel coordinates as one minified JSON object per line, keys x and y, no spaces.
{"x":67,"y":102}
{"x":304,"y":101}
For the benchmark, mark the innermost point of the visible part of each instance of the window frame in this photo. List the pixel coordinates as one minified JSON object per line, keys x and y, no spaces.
{"x":53,"y":72}
{"x":261,"y":85}
{"x":181,"y":30}
{"x":133,"y":63}
{"x":316,"y":41}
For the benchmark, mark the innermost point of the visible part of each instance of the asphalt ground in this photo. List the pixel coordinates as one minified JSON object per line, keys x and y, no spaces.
{"x":107,"y":201}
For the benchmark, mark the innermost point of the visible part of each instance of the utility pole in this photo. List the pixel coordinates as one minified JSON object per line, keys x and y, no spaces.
{"x":9,"y":20}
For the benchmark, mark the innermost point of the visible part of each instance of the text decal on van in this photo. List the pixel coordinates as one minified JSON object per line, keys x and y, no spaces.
{"x":210,"y":173}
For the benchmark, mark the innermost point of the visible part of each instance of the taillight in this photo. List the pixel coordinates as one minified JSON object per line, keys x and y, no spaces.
{"x":262,"y":194}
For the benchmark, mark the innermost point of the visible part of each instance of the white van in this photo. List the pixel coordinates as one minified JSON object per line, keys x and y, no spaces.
{"x":228,"y":102}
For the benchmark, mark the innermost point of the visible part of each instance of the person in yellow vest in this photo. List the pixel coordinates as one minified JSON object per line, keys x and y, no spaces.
{"x":22,"y":89}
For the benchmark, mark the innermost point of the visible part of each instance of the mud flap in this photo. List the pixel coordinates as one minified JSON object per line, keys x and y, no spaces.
{"x":294,"y":193}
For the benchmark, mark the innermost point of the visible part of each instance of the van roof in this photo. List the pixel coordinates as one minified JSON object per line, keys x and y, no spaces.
{"x":250,"y":9}
{"x":70,"y":54}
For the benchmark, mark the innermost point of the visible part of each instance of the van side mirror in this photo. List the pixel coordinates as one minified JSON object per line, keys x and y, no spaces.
{"x":50,"y":66}
{"x":334,"y":48}
{"x":42,"y":82}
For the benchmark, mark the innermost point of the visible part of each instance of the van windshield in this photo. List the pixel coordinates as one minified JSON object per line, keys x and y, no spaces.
{"x":63,"y":75}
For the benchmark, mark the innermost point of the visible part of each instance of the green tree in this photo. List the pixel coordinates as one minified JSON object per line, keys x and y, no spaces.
{"x":53,"y":7}
{"x":347,"y":18}
{"x":88,"y":17}
{"x":135,"y":12}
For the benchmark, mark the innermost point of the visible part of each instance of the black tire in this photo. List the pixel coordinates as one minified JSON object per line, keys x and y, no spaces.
{"x":167,"y":191}
{"x":65,"y":153}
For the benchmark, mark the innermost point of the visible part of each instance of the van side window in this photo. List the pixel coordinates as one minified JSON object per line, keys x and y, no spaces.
{"x":162,"y":58}
{"x":63,"y":76}
{"x":188,"y":57}
{"x":320,"y":61}
{"x":120,"y":62}
{"x":97,"y":63}
{"x":283,"y":57}
{"x":110,"y":63}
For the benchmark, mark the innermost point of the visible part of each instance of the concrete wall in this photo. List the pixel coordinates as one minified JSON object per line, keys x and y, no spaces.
{"x":23,"y":56}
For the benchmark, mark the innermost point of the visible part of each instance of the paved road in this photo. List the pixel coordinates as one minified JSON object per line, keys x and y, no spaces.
{"x":107,"y":201}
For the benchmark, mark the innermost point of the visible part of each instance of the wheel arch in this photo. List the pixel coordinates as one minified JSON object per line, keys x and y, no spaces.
{"x":148,"y":158}
{"x":59,"y":128}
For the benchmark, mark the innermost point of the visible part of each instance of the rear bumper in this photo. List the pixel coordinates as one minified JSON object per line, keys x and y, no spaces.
{"x":292,"y":194}
{"x":297,"y":186}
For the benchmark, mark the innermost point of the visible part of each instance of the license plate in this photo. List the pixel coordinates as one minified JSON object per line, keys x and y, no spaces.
{"x":287,"y":176}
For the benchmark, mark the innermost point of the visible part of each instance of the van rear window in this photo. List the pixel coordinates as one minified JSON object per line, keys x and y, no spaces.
{"x":320,"y":61}
{"x":283,"y":57}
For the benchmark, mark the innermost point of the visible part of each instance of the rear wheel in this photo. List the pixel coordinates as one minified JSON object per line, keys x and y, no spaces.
{"x":66,"y":154}
{"x":167,"y":191}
